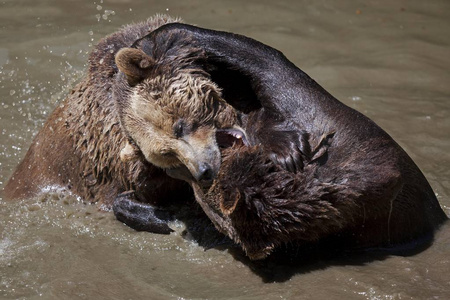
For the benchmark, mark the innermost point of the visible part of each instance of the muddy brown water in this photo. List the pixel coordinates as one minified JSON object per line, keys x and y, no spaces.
{"x":387,"y":59}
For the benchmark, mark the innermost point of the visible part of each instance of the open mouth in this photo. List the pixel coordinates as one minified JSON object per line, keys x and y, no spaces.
{"x":226,"y":138}
{"x":181,"y":172}
{"x":229,"y":137}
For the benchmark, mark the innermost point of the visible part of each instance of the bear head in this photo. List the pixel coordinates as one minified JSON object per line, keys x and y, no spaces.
{"x":262,"y":206}
{"x":171,"y":113}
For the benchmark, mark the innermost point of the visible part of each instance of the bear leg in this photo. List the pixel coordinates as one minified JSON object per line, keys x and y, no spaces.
{"x":140,"y":216}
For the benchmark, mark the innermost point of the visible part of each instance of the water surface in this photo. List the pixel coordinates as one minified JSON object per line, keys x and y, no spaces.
{"x":387,"y":59}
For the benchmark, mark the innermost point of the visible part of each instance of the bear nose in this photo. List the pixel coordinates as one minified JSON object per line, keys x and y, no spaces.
{"x":205,"y":172}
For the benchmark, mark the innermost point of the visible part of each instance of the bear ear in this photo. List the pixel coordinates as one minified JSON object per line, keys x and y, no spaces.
{"x":229,"y":204}
{"x":134,"y":63}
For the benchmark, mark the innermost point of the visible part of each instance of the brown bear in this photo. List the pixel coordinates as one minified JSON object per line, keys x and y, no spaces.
{"x":138,"y":115}
{"x":307,"y":167}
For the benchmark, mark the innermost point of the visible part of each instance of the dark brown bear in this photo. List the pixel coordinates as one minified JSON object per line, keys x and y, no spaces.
{"x":308,"y":167}
{"x":138,"y":115}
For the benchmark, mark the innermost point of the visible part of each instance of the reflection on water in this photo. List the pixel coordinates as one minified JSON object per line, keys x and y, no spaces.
{"x":387,"y":60}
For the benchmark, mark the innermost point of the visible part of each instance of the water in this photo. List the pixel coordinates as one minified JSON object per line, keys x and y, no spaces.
{"x":387,"y":59}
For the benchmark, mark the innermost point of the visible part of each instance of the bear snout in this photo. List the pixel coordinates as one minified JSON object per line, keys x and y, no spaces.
{"x":205,"y":172}
{"x":197,"y":165}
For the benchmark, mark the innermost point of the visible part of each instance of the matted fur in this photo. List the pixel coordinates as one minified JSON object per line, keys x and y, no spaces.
{"x":79,"y":147}
{"x":315,"y":168}
{"x":264,"y":206}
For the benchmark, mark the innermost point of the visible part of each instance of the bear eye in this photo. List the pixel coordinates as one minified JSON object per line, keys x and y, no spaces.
{"x":167,"y":153}
{"x":179,"y":128}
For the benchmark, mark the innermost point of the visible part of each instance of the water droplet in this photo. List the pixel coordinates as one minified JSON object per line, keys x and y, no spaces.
{"x":91,"y":32}
{"x":12,"y":92}
{"x":99,"y":7}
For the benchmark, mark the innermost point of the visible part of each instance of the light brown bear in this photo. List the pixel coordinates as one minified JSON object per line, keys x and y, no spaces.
{"x":137,"y":116}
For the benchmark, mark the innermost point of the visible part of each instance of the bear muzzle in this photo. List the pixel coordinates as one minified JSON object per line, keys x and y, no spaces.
{"x":203,"y":175}
{"x":200,"y":162}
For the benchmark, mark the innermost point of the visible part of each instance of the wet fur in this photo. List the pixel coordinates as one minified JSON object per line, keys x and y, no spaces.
{"x":79,"y":148}
{"x":314,"y":168}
